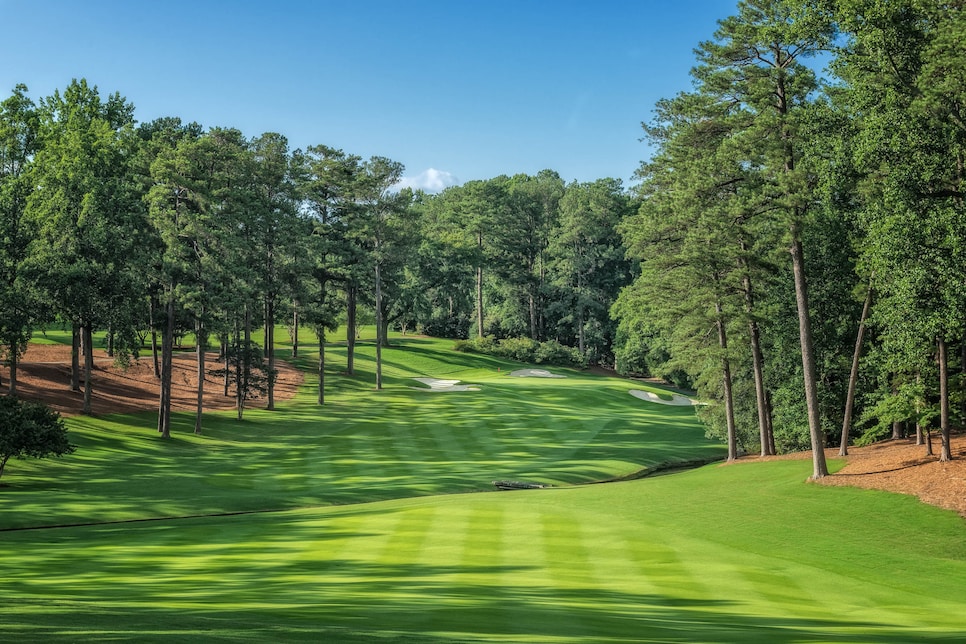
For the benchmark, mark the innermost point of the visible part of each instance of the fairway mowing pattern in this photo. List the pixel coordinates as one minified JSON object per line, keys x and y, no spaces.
{"x":737,"y":553}
{"x":612,"y":563}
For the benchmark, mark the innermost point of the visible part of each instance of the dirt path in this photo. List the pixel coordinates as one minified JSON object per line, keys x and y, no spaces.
{"x":44,"y":374}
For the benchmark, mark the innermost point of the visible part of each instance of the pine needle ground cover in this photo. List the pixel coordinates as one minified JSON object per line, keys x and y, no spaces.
{"x":350,"y":529}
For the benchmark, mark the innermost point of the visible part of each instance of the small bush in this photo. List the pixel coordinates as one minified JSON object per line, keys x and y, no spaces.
{"x":456,"y":327}
{"x":519,"y":349}
{"x":552,"y":352}
{"x":523,"y":350}
{"x":30,"y":429}
{"x":485,"y":345}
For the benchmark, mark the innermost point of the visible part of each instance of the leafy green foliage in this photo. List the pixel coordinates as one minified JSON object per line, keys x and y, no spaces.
{"x":524,"y":350}
{"x":30,"y":430}
{"x":901,"y":90}
{"x":19,"y":305}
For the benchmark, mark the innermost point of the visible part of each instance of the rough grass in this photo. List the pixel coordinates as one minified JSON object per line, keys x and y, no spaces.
{"x":747,"y":552}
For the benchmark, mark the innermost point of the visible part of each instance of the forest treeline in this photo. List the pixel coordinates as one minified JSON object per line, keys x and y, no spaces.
{"x":153,"y":231}
{"x":792,"y":249}
{"x":801,"y":241}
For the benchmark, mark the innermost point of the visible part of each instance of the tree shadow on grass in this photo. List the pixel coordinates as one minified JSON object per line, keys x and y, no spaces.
{"x":369,"y":609}
{"x":285,"y":578}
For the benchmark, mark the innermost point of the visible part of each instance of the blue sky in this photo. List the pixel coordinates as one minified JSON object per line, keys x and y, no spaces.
{"x":455,"y":90}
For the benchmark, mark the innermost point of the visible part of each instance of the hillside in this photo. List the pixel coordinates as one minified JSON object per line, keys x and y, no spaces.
{"x":894,"y":466}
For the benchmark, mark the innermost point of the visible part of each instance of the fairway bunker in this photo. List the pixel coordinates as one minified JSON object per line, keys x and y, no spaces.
{"x":676,"y":399}
{"x":435,"y":384}
{"x":535,"y":373}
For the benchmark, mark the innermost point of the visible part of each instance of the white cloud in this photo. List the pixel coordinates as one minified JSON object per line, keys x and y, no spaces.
{"x":431,"y":180}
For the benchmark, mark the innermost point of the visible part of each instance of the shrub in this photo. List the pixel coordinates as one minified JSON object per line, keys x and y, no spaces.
{"x":448,"y":326}
{"x":519,"y":349}
{"x":29,"y":429}
{"x":552,"y":352}
{"x":523,"y":350}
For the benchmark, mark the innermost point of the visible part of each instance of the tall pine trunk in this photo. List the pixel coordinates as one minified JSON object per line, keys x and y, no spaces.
{"x":167,"y":351}
{"x":225,"y":351}
{"x":13,"y":361}
{"x":75,"y":343}
{"x":919,"y":428}
{"x":154,"y":338}
{"x":532,"y":303}
{"x":270,"y":348}
{"x":321,"y":334}
{"x":726,"y":382}
{"x":962,"y":375}
{"x":295,"y":331}
{"x":87,"y":341}
{"x":350,"y":332}
{"x":819,"y":466}
{"x":246,"y":362}
{"x":854,"y":374}
{"x":771,"y":424}
{"x":581,"y":333}
{"x":581,"y":340}
{"x":945,"y":453}
{"x":757,"y":360}
{"x":378,"y":324}
{"x":479,"y":288}
{"x":201,"y":343}
{"x":239,"y":384}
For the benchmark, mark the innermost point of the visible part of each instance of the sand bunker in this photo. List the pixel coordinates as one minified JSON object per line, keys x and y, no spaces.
{"x":676,"y":399}
{"x":535,"y":373}
{"x":436,"y":384}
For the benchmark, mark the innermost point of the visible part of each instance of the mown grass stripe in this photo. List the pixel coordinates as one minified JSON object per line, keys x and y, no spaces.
{"x":739,"y":553}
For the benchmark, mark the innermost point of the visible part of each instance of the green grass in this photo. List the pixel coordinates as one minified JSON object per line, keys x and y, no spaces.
{"x":372,"y":542}
{"x":364,"y":445}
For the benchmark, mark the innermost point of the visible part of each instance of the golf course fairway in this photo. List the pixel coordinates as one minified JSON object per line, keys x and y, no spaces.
{"x":374,"y":519}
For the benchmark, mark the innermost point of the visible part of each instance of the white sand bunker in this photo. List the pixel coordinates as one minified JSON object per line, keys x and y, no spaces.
{"x":676,"y":399}
{"x":436,"y":384}
{"x":535,"y":373}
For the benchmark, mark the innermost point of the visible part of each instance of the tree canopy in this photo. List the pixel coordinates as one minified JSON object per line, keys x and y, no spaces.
{"x":791,"y":248}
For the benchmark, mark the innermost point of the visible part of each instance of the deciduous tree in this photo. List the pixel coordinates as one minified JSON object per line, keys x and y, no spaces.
{"x":18,"y":144}
{"x":87,"y":211}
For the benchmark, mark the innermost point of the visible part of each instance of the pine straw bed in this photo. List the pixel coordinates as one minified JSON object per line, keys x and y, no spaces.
{"x":44,"y":374}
